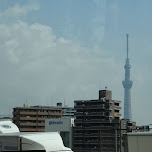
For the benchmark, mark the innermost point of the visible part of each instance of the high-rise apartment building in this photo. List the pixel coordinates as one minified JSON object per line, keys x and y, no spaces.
{"x":97,"y":124}
{"x":32,"y":118}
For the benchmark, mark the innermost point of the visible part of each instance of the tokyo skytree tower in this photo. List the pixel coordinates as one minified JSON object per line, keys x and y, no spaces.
{"x":127,"y":84}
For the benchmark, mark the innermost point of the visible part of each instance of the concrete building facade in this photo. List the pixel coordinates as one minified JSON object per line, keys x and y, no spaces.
{"x":129,"y":127}
{"x":97,"y":124}
{"x":125,"y":127}
{"x":32,"y":118}
{"x":138,"y":142}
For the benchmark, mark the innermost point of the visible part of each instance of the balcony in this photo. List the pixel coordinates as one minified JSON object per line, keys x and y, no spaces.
{"x":41,"y":118}
{"x":117,"y":114}
{"x":102,"y":133}
{"x":90,"y":114}
{"x":117,"y":107}
{"x":27,"y":113}
{"x":86,"y":134}
{"x":99,"y":121}
{"x":96,"y":114}
{"x":116,"y":121}
{"x":86,"y":149}
{"x":31,"y":130}
{"x":49,"y":113}
{"x":77,"y":121}
{"x":82,"y":142}
{"x":94,"y":149}
{"x":79,"y":114}
{"x":102,"y":128}
{"x":27,"y":124}
{"x":32,"y":124}
{"x":91,"y":121}
{"x":100,"y":106}
{"x":27,"y":118}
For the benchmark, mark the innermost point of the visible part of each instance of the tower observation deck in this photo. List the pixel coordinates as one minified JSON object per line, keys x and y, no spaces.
{"x":127,"y":84}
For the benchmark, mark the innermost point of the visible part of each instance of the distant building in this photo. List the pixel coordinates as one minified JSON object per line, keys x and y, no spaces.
{"x":125,"y":127}
{"x":144,"y":128}
{"x":66,"y":110}
{"x":32,"y":118}
{"x":138,"y":142}
{"x":150,"y":127}
{"x":128,"y":126}
{"x":97,"y":124}
{"x":6,"y":117}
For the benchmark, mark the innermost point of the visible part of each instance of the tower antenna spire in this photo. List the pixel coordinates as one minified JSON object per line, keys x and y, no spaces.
{"x":127,"y":84}
{"x":127,"y":35}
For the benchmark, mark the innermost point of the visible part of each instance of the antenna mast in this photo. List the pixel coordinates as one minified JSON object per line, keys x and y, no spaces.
{"x":127,"y":35}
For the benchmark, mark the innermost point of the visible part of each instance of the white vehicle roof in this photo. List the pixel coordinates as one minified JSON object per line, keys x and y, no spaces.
{"x":48,"y":141}
{"x":8,"y":127}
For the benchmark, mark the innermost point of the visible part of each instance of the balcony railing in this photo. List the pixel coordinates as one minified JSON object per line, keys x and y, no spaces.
{"x":90,"y":107}
{"x":117,"y":107}
{"x":32,"y":124}
{"x":31,"y":130}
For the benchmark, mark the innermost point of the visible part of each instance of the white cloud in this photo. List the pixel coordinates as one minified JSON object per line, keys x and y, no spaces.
{"x":44,"y":65}
{"x":18,"y":11}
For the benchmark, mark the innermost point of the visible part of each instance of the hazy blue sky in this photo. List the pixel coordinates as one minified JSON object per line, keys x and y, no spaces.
{"x":56,"y":50}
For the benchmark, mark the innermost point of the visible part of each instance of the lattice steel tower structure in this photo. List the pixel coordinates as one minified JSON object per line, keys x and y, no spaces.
{"x":127,"y":84}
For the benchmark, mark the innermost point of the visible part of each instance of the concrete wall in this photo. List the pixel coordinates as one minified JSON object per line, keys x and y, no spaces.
{"x":139,"y":143}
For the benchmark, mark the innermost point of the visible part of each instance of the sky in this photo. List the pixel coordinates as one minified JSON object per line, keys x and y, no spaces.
{"x":64,"y":50}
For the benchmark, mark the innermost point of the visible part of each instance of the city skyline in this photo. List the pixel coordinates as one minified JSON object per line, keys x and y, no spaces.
{"x":67,"y":50}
